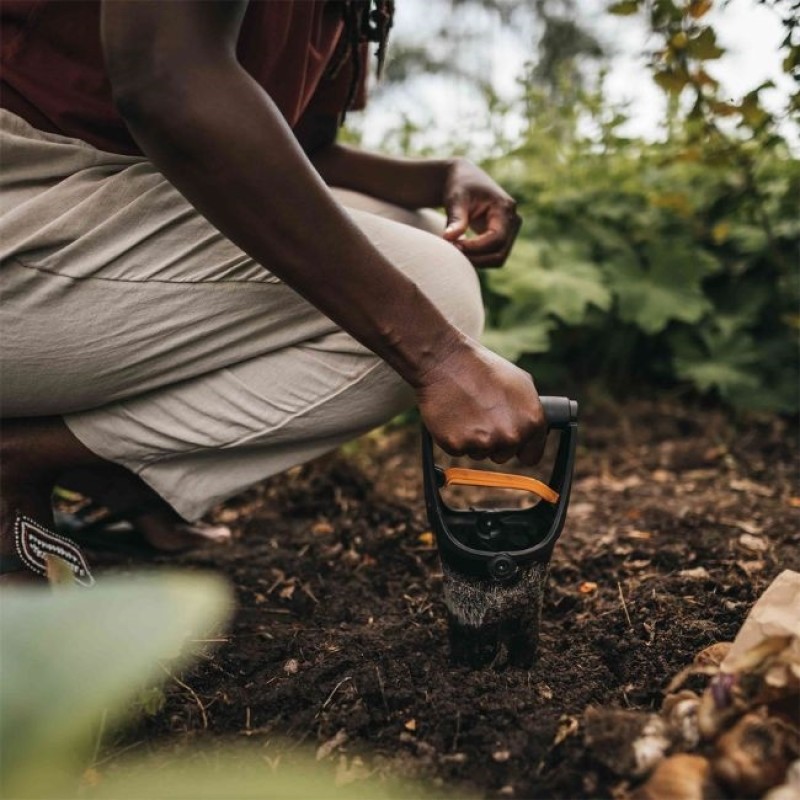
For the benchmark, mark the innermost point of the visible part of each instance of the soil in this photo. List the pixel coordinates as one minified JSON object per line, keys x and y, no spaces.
{"x":679,"y":520}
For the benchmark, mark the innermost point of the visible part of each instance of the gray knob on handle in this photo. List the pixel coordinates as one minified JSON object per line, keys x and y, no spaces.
{"x":559,"y":411}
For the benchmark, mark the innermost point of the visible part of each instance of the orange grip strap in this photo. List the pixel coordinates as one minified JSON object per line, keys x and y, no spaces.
{"x":502,"y":480}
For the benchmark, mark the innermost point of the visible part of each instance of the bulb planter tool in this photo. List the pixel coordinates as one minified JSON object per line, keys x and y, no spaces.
{"x":495,"y":561}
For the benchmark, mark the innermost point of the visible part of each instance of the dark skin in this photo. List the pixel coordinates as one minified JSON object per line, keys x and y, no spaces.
{"x":472,"y":200}
{"x":222,"y":142}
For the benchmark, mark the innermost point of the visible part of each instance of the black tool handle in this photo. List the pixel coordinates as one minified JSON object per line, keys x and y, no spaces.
{"x":559,"y":411}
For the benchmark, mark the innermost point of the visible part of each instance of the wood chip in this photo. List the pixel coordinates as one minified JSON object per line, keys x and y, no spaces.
{"x":751,"y":567}
{"x":754,"y":543}
{"x":697,"y":573}
{"x":322,"y":528}
{"x":227,"y":515}
{"x":567,"y":726}
{"x":663,"y":476}
{"x":287,"y":592}
{"x":713,"y":655}
{"x":751,"y":487}
{"x":454,"y":758}
{"x":743,"y":525}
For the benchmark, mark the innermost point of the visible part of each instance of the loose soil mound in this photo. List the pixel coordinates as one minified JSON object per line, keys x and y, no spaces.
{"x":678,"y":522}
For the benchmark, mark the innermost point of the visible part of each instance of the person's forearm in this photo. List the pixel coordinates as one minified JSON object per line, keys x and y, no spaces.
{"x":413,"y":183}
{"x":222,"y":142}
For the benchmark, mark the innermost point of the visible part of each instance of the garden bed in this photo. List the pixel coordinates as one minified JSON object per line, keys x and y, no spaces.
{"x":678,"y":522}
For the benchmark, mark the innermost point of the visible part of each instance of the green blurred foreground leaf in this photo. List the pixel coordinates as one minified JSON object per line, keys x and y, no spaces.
{"x":68,"y":658}
{"x":245,"y":773}
{"x":75,"y":662}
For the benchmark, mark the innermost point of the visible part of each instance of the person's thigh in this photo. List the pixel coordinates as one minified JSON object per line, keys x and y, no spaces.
{"x":165,"y":347}
{"x":113,"y":286}
{"x":206,"y":439}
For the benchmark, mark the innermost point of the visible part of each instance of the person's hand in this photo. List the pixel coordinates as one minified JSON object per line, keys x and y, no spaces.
{"x":476,"y":403}
{"x":472,"y":200}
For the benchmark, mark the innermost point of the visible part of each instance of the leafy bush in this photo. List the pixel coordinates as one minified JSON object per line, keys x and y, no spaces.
{"x":657,"y":262}
{"x":671,"y":263}
{"x":652,"y":262}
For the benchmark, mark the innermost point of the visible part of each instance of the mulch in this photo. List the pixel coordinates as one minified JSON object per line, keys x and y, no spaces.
{"x":680,"y":518}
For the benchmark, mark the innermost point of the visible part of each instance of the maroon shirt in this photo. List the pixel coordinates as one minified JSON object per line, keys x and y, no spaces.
{"x":53,"y":75}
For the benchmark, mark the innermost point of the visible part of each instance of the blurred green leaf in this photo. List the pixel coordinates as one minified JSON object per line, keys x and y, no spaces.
{"x":704,"y":46}
{"x":672,"y":80}
{"x":529,"y":333}
{"x":68,"y":658}
{"x":625,"y":7}
{"x":558,"y":280}
{"x":725,"y":362}
{"x":244,"y":773}
{"x":668,"y":287}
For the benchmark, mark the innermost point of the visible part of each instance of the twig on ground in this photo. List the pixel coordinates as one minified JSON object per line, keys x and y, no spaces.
{"x":624,"y":607}
{"x":193,"y":693}
{"x":383,"y":691}
{"x":454,"y":746}
{"x":330,"y":696}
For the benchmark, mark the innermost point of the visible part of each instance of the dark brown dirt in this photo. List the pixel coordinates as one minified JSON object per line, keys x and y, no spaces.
{"x":679,"y":520}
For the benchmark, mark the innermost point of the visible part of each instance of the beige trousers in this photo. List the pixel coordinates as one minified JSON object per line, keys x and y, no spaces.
{"x":164,"y":347}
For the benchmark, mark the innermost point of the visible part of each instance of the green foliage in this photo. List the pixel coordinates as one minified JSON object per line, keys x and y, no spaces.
{"x":662,"y":262}
{"x":671,"y":263}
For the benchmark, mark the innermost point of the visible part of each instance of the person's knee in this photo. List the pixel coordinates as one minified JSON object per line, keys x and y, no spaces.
{"x":452,"y":284}
{"x":436,"y":266}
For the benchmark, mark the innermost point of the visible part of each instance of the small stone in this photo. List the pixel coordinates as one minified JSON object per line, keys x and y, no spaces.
{"x":501,"y":756}
{"x":351,"y":557}
{"x":291,"y":667}
{"x":506,"y":791}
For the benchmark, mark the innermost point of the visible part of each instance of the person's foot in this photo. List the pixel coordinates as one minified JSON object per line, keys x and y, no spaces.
{"x":33,"y":453}
{"x":164,"y":530}
{"x":128,"y":498}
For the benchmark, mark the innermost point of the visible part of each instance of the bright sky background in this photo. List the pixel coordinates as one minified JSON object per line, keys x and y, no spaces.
{"x":750,"y":33}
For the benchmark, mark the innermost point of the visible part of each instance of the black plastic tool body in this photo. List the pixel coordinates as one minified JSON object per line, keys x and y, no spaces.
{"x":493,"y":544}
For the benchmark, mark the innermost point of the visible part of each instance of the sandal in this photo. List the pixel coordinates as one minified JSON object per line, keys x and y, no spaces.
{"x":34,"y":543}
